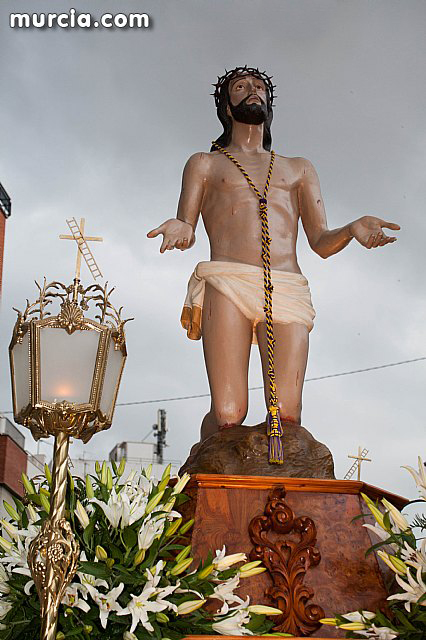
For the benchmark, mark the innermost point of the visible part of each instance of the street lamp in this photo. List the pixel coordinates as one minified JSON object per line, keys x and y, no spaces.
{"x":66,"y":371}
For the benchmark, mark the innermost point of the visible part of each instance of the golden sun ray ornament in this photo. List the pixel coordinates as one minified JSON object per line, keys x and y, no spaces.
{"x":66,"y":371}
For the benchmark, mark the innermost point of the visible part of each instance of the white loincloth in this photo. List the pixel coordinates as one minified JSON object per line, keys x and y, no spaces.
{"x":243,"y":285}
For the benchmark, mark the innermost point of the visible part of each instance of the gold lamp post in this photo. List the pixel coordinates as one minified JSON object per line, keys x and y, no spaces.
{"x":66,"y":371}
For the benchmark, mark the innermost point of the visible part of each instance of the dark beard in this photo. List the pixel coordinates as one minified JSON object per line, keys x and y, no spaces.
{"x":249,"y":113}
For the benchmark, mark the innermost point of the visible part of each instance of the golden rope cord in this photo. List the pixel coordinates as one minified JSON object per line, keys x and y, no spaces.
{"x":275,"y":431}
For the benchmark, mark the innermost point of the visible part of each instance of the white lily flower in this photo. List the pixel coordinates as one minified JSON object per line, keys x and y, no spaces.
{"x":414,"y":590}
{"x":106,"y":602}
{"x":149,"y":530}
{"x":72,"y":597}
{"x":222,"y":561}
{"x":224,"y":592}
{"x":139,"y":607}
{"x":4,"y":581}
{"x":153,"y":574}
{"x":233,"y":626}
{"x":113,"y":509}
{"x":129,"y":636}
{"x":416,"y":558}
{"x":420,"y":477}
{"x":379,"y":633}
{"x":5,"y":607}
{"x":359,"y":616}
{"x":133,"y":509}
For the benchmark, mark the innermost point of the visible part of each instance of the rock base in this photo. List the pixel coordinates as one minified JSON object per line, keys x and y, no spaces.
{"x":243,"y":450}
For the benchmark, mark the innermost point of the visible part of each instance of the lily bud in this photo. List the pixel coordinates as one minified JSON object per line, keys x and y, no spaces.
{"x":181,"y":483}
{"x":166,"y":472}
{"x":32,"y":513}
{"x":82,"y":514}
{"x":104,"y":472}
{"x":161,"y":617}
{"x":396,"y":515}
{"x":88,"y":628}
{"x":169,"y":506}
{"x":110,"y":562}
{"x":121,"y":467}
{"x":47,"y":474}
{"x":394,"y":563}
{"x":174,"y":526}
{"x":109,"y":480}
{"x":352,"y":626}
{"x":100,"y":553}
{"x":5,"y":544}
{"x":181,"y":566}
{"x":45,"y":502}
{"x":60,"y":635}
{"x":89,"y":488}
{"x":163,"y":484}
{"x":250,"y":565}
{"x":262,"y":609}
{"x":148,"y":471}
{"x":139,"y":557}
{"x":45,"y":492}
{"x":11,"y":530}
{"x":186,"y":527}
{"x":330,"y":621}
{"x":11,"y":511}
{"x":98,"y":468}
{"x":183,"y":554}
{"x":204,"y":573}
{"x":378,"y":515}
{"x":154,"y":502}
{"x":221,"y":564}
{"x":28,"y":485}
{"x":252,"y":572}
{"x":70,"y":481}
{"x":189,"y":606}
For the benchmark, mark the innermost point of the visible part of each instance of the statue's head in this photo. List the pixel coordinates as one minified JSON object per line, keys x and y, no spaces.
{"x":248,"y":110}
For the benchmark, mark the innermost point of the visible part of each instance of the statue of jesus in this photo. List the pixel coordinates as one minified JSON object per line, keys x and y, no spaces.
{"x":251,"y":202}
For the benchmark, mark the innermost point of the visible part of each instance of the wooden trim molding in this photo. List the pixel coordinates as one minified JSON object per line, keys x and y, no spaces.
{"x":311,"y":485}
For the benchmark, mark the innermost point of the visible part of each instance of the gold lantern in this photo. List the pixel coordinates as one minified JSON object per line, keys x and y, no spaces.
{"x":66,"y":371}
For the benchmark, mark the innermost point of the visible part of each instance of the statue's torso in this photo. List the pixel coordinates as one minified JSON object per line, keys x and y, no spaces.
{"x":230,"y":209}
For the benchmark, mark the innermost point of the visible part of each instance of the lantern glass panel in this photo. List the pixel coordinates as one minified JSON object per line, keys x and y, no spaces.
{"x":67,"y":364}
{"x":21,"y":367}
{"x":111,"y":378}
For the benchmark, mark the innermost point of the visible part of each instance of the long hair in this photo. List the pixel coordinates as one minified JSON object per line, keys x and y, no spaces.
{"x":222,"y":103}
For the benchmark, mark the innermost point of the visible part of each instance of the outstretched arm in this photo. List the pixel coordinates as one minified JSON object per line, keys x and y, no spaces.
{"x":367,"y":230}
{"x":179,"y":232}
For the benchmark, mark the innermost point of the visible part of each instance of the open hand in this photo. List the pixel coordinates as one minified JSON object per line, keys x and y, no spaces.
{"x":368,"y":230}
{"x":176,"y":234}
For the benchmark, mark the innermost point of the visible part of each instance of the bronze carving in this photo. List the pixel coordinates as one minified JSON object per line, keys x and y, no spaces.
{"x":287,"y":562}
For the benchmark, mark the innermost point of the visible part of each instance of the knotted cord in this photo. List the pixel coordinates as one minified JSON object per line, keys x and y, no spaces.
{"x":275,"y":431}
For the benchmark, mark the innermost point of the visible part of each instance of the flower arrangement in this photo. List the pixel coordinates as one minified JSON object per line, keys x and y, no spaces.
{"x":406,"y":556}
{"x":136,"y":578}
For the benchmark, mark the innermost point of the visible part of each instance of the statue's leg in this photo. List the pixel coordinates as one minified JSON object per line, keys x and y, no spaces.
{"x":290,"y":359}
{"x":227,"y":336}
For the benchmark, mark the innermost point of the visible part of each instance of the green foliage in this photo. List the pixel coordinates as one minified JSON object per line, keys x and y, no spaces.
{"x":133,"y":543}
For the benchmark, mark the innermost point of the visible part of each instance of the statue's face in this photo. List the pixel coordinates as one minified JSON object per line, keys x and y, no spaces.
{"x":247,"y":100}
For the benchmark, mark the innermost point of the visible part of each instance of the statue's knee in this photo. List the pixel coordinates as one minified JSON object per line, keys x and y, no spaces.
{"x":290,"y":412}
{"x":231,"y":413}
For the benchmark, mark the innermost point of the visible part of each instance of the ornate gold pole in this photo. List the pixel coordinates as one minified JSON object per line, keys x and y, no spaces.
{"x":53,"y":554}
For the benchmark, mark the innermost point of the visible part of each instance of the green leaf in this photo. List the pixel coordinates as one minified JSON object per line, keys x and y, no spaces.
{"x":130,"y":537}
{"x":97,"y":569}
{"x":89,"y":531}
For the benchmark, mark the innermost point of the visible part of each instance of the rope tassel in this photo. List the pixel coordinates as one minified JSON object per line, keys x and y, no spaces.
{"x":275,"y":432}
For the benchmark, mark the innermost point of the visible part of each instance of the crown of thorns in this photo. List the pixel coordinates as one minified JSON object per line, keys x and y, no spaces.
{"x":243,"y":71}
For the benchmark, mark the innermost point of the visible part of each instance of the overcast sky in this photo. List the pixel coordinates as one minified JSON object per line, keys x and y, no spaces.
{"x":100,"y":123}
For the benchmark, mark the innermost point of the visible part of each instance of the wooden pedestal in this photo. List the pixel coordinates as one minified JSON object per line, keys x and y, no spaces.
{"x":317,"y":563}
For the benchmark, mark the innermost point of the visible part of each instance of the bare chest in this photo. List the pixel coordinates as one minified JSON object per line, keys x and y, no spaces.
{"x":227,"y":178}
